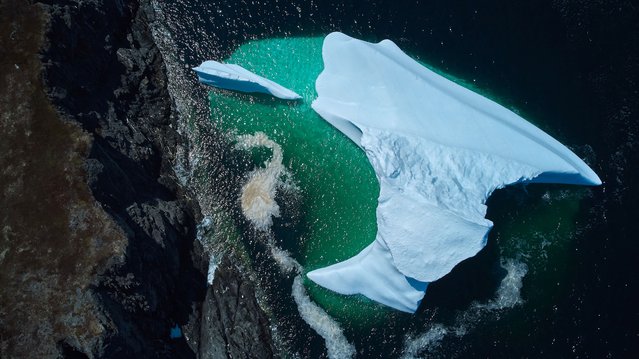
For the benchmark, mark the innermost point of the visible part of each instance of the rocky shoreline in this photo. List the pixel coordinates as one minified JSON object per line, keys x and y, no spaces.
{"x":103,"y":72}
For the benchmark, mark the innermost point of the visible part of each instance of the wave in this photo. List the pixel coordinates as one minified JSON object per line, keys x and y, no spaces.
{"x":336,"y":343}
{"x":508,"y":296}
{"x":284,"y":260}
{"x":428,"y":340}
{"x":323,"y":324}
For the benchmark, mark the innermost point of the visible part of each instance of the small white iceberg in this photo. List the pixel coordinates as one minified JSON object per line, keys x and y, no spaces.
{"x":236,"y":78}
{"x":439,"y":150}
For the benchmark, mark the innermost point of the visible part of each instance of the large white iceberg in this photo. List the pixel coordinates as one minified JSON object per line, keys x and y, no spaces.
{"x":439,"y":150}
{"x":236,"y":78}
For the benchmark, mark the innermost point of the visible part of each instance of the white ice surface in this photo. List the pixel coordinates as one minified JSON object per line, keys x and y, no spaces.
{"x":439,"y":150}
{"x":375,"y":260}
{"x":237,"y":78}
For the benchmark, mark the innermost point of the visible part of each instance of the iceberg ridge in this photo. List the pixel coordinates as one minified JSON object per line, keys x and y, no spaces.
{"x":439,"y":150}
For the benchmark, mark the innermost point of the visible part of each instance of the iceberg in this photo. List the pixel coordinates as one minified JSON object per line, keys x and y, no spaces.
{"x":236,"y":78}
{"x":439,"y":150}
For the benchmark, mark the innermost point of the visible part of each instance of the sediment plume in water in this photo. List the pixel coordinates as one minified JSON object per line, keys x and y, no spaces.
{"x":258,"y":193}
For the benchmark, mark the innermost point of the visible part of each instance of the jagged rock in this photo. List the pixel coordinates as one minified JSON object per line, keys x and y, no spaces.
{"x":104,"y":72}
{"x":232,"y":322}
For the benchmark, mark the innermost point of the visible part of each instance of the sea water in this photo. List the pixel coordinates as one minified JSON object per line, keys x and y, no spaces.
{"x":525,"y":275}
{"x":338,"y":186}
{"x":339,"y":195}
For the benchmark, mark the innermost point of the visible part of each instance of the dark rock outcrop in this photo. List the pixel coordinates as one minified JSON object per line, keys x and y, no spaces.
{"x":232,"y":323}
{"x":55,"y":238}
{"x":104,"y":72}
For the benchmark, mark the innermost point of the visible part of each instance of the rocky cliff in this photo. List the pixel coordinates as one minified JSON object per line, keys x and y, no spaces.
{"x":140,"y":276}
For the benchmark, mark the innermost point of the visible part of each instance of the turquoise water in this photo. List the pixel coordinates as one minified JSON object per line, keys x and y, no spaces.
{"x":338,"y":185}
{"x":339,"y":196}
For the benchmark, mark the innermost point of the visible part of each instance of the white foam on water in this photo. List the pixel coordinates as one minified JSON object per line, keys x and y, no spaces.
{"x":509,"y":292}
{"x":259,"y":206}
{"x":508,"y":295}
{"x":430,"y":339}
{"x":323,"y":324}
{"x":210,"y":275}
{"x":204,"y":229}
{"x":336,"y":343}
{"x":284,"y":260}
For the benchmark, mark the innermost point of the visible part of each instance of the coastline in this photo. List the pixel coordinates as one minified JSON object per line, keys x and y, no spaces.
{"x":106,"y":86}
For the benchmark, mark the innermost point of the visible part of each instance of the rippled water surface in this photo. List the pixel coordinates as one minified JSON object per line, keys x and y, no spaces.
{"x":329,"y":193}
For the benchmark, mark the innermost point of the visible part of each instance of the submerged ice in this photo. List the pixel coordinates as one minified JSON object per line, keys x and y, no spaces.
{"x":439,"y":150}
{"x":237,"y":78}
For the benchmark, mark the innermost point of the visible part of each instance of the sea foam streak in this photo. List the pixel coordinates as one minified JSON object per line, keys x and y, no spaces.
{"x":259,"y":206}
{"x":439,"y":150}
{"x":508,"y":296}
{"x":336,"y":344}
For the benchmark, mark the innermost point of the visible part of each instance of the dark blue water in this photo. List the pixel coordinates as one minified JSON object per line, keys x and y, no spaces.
{"x":572,"y":68}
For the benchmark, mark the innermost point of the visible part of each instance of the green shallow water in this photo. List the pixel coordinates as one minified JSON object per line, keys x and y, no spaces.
{"x":338,"y":185}
{"x":339,"y":188}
